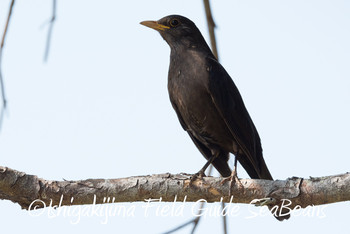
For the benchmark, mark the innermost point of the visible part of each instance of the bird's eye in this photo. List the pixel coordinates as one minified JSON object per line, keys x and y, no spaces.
{"x":174,"y":22}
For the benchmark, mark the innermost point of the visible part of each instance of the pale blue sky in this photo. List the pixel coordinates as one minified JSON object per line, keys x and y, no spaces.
{"x":99,"y":108}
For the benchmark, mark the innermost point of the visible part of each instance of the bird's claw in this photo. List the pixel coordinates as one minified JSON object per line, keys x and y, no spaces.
{"x":233,"y":179}
{"x":197,"y":176}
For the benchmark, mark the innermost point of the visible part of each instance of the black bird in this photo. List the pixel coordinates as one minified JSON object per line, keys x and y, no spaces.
{"x":207,"y":102}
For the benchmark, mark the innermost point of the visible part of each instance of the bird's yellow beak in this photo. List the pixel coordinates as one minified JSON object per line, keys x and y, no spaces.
{"x":154,"y":25}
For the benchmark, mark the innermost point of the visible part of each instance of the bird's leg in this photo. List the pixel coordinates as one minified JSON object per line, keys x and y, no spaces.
{"x":234,"y":175}
{"x":233,"y":178}
{"x":200,"y":174}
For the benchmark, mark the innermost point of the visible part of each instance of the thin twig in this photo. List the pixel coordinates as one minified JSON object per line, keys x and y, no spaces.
{"x":199,"y":215}
{"x":179,"y":227}
{"x":211,"y":28}
{"x":195,"y":221}
{"x":224,"y":219}
{"x":2,"y":86}
{"x":49,"y":33}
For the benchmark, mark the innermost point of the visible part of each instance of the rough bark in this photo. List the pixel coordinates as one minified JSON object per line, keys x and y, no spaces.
{"x":23,"y":189}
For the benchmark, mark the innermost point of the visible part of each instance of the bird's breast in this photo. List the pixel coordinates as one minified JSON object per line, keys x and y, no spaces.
{"x":188,"y":90}
{"x":202,"y":118}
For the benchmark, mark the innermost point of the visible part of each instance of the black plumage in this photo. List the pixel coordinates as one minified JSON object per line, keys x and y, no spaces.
{"x":207,"y":102}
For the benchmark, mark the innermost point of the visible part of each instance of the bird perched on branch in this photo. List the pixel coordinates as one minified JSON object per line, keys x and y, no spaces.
{"x":208,"y":103}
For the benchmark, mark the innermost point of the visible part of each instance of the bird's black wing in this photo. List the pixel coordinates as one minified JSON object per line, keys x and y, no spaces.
{"x":179,"y":116}
{"x":220,"y":163}
{"x":229,"y":104}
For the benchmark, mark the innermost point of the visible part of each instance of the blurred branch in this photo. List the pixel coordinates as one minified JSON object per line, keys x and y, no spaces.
{"x":224,"y":218}
{"x":193,"y":221}
{"x":23,"y":189}
{"x":211,"y":27}
{"x":2,"y":87}
{"x":49,"y":33}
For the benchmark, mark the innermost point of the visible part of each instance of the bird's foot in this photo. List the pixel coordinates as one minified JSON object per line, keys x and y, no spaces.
{"x":198,"y":176}
{"x":233,"y":179}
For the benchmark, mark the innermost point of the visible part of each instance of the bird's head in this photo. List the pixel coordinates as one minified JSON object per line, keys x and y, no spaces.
{"x":178,"y":31}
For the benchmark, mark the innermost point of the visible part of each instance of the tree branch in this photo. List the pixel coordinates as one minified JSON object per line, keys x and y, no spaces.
{"x":2,"y":87}
{"x":23,"y":189}
{"x":211,"y":28}
{"x":195,"y":220}
{"x":49,"y":32}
